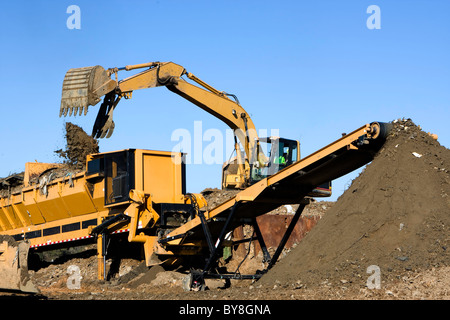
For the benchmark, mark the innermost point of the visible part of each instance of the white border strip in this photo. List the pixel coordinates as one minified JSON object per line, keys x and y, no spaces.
{"x":73,"y":239}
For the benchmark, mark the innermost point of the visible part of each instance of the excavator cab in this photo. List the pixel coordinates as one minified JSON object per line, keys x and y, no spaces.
{"x":281,"y":153}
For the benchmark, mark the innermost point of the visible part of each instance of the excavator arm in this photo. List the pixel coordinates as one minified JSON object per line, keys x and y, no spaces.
{"x":205,"y":97}
{"x":85,"y":86}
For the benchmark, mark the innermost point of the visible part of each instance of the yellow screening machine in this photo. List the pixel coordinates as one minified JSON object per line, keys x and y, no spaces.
{"x":142,"y":193}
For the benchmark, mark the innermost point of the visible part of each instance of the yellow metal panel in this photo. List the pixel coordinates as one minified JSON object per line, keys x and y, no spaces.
{"x":51,"y":205}
{"x":20,"y":210}
{"x":10,"y":215}
{"x":162,"y":177}
{"x":34,"y":169}
{"x":94,"y":186}
{"x":76,"y":198}
{"x":98,"y":196}
{"x":78,"y":203}
{"x":31,"y":207}
{"x":4,"y":222}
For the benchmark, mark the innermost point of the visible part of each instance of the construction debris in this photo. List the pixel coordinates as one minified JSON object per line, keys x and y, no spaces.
{"x":12,"y":183}
{"x":78,"y":145}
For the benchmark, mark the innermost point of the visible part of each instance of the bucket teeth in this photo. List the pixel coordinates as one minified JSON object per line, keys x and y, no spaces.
{"x":80,"y":110}
{"x":83,"y":87}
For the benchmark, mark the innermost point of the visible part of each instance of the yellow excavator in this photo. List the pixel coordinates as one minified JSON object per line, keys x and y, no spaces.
{"x":141,"y":193}
{"x":84,"y":87}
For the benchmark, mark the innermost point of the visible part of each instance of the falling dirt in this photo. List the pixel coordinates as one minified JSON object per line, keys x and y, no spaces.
{"x":78,"y":145}
{"x":395,"y":216}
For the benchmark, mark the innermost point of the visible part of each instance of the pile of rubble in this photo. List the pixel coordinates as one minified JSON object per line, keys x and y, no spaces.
{"x":78,"y":146}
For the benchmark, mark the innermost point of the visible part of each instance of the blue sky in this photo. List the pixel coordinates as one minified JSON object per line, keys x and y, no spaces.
{"x":311,"y":69}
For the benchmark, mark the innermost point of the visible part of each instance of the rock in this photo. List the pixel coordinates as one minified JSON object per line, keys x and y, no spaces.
{"x":403,"y":258}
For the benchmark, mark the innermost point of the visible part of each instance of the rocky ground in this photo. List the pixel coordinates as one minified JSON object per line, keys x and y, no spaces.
{"x":386,"y":238}
{"x":59,"y":282}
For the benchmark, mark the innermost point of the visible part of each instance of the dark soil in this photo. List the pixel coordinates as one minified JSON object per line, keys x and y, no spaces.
{"x":395,"y":215}
{"x":79,"y":145}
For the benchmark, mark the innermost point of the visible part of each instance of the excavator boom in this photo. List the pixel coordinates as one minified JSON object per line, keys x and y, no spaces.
{"x":84,"y":86}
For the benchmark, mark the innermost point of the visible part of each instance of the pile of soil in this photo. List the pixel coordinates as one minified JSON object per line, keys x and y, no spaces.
{"x":395,"y":215}
{"x":79,"y":145}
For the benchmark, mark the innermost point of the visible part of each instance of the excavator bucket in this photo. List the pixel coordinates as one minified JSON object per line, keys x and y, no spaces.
{"x":84,"y":87}
{"x":14,"y":266}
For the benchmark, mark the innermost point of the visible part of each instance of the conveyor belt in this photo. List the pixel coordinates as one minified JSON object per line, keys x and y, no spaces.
{"x":290,"y":185}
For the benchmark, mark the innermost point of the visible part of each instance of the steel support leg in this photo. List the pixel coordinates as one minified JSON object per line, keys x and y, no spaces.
{"x":206,"y":231}
{"x":198,"y":278}
{"x":262,"y":244}
{"x":220,"y":238}
{"x":286,"y":236}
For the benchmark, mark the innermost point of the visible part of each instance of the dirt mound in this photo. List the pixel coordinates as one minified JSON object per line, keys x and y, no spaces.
{"x":395,"y":215}
{"x":79,"y":145}
{"x":215,"y":196}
